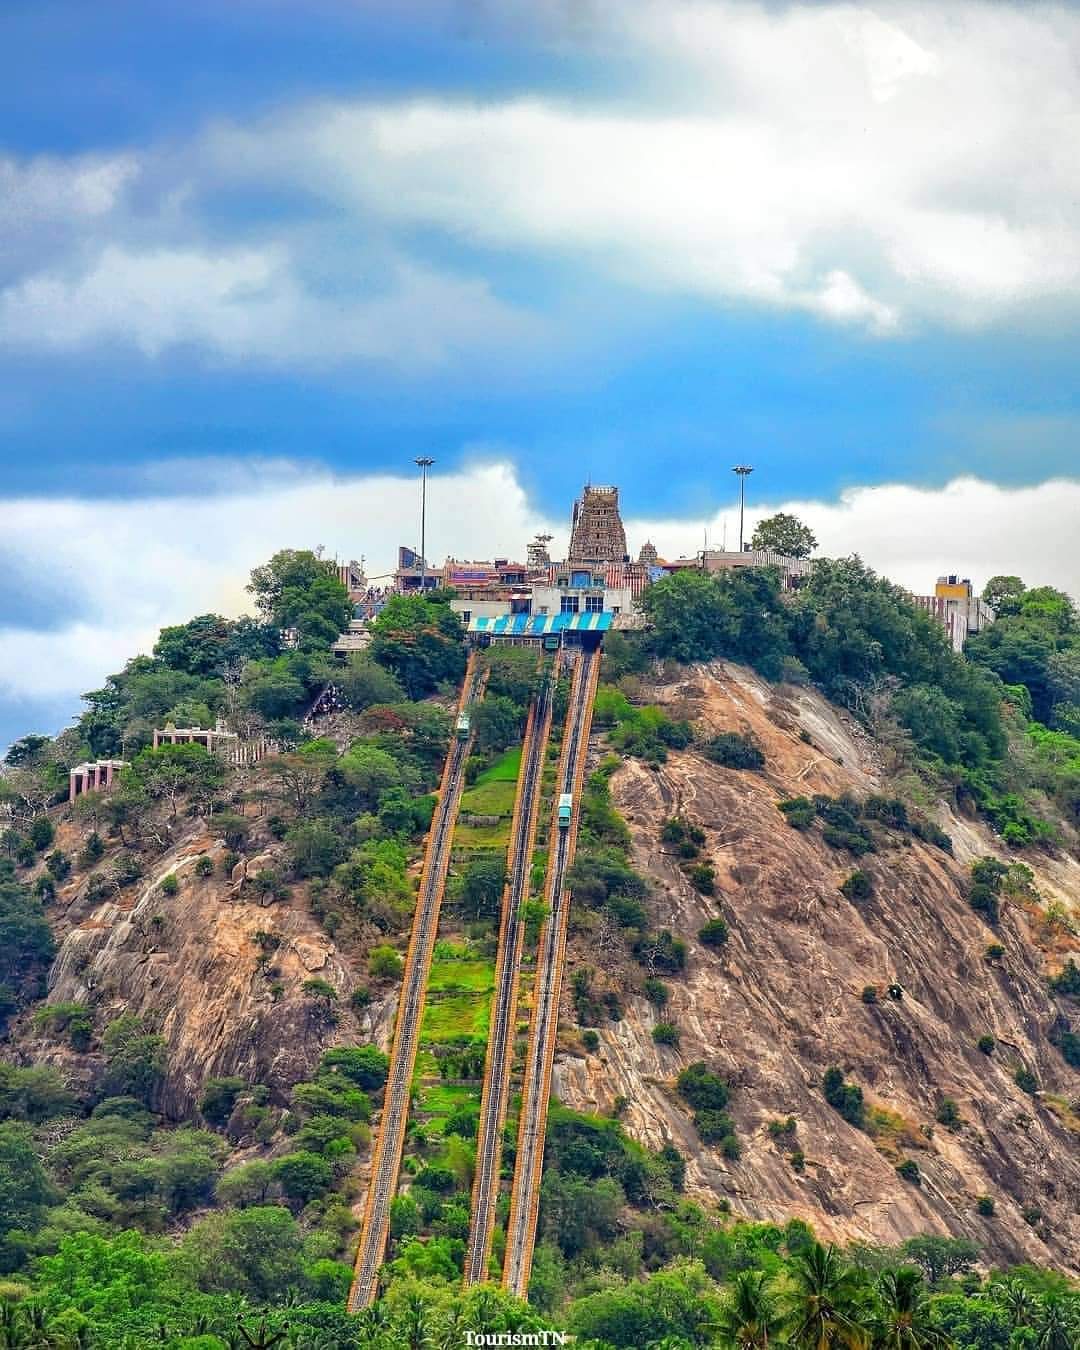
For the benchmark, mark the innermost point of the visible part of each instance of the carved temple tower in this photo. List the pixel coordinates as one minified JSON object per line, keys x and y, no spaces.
{"x":596,"y":528}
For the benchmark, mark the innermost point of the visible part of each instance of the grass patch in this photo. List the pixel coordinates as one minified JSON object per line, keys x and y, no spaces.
{"x":1063,"y":1109}
{"x":505,"y":769}
{"x":448,"y":1019}
{"x":483,"y":836}
{"x":489,"y":799}
{"x":441,"y":1099}
{"x":474,"y":977}
{"x":891,"y":1131}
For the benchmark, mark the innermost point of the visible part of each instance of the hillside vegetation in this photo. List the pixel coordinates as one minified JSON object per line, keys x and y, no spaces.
{"x":821,"y":981}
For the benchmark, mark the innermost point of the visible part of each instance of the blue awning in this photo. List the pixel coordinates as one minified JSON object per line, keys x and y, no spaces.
{"x":540,"y":625}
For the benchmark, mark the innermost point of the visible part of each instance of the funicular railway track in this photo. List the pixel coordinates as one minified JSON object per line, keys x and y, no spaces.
{"x":395,"y":1113}
{"x":501,"y":1031}
{"x":525,"y":1191}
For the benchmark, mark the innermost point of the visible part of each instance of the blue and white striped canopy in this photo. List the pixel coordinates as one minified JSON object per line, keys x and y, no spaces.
{"x":540,"y":625}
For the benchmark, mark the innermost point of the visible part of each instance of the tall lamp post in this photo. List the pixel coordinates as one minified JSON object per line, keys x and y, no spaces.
{"x":743,"y":470}
{"x":423,"y":463}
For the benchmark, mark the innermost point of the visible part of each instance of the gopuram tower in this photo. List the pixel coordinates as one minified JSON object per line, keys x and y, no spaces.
{"x":596,"y":528}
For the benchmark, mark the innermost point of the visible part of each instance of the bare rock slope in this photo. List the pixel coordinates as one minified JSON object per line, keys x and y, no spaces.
{"x":782,"y":1001}
{"x":213,"y":969}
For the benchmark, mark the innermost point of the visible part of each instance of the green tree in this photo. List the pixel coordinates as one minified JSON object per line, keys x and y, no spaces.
{"x":940,"y":1257}
{"x":248,"y":1184}
{"x":255,"y":1252}
{"x":175,"y":772}
{"x":134,"y":1059}
{"x":219,"y":1097}
{"x":735,"y":614}
{"x":315,"y":848}
{"x":26,"y":941}
{"x":421,"y":641}
{"x":24,"y":1190}
{"x":482,"y":886}
{"x":905,"y":1321}
{"x":750,"y":1316}
{"x":785,"y":534}
{"x":824,"y":1306}
{"x":363,"y":682}
{"x":297,"y":589}
{"x":1003,"y":593}
{"x":303,"y":1175}
{"x":498,"y":722}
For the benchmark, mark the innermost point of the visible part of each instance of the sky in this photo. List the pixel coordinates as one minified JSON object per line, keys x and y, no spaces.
{"x":256,"y":257}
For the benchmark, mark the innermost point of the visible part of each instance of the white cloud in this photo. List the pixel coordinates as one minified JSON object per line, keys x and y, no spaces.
{"x":48,"y":189}
{"x":914,"y":535}
{"x":154,"y":561}
{"x":882,"y":166}
{"x":249,"y":305}
{"x":887,"y":167}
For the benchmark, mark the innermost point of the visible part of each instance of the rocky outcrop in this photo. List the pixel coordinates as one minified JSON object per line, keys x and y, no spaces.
{"x":782,"y":1000}
{"x":215,"y":969}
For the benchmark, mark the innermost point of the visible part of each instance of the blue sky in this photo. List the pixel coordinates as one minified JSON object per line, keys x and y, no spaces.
{"x":265,"y":243}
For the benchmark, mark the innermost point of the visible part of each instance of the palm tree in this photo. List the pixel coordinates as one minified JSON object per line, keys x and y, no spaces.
{"x":414,"y":1326}
{"x":1057,"y":1328}
{"x":824,"y":1308}
{"x":1018,"y":1301}
{"x":904,"y":1323}
{"x":750,"y":1319}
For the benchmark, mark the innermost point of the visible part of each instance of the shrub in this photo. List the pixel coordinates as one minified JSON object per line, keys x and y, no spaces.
{"x":590,"y":1040}
{"x":170,"y":885}
{"x":703,"y":878}
{"x":662,"y":951}
{"x":1068,"y":981}
{"x":41,"y":833}
{"x":858,"y":886}
{"x":665,"y":1033}
{"x":798,"y":812}
{"x":1026,"y":1081}
{"x":713,"y":1126}
{"x":986,"y":1044}
{"x":1031,"y":1215}
{"x":58,"y":865}
{"x":985,"y":1206}
{"x":702,"y":1089}
{"x":320,"y":989}
{"x":303,"y":1175}
{"x":734,"y":751}
{"x":92,"y":851}
{"x":846,"y":1098}
{"x":657,"y":992}
{"x":219,"y":1098}
{"x":783,"y":1128}
{"x":714,"y":933}
{"x":384,"y":963}
{"x":360,"y":998}
{"x":909,"y":1170}
{"x":983,"y":900}
{"x":948,"y":1114}
{"x":798,"y":1160}
{"x":364,"y":1065}
{"x":730,"y":1147}
{"x":869,"y":993}
{"x":994,"y":951}
{"x":204,"y":866}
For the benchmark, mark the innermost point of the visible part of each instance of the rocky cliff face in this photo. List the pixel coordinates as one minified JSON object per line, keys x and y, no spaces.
{"x":782,"y":1001}
{"x":217,"y":972}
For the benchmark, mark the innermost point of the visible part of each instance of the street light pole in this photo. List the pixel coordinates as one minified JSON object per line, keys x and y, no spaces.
{"x":743,"y":470}
{"x":423,"y":462}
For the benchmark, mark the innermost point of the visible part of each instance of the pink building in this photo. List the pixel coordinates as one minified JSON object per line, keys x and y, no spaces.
{"x":95,"y":777}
